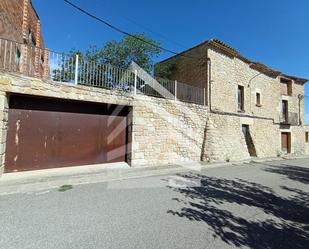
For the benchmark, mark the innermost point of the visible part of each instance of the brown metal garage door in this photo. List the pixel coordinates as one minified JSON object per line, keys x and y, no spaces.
{"x":41,"y":137}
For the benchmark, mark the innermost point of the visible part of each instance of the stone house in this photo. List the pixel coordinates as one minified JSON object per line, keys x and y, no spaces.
{"x":253,"y":109}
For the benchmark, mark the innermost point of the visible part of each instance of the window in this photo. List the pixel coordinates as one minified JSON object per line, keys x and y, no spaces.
{"x":17,"y":56}
{"x":284,"y":111}
{"x":42,"y":59}
{"x":286,"y":87}
{"x":258,"y":99}
{"x":32,"y":38}
{"x":307,"y":136}
{"x":240,"y":98}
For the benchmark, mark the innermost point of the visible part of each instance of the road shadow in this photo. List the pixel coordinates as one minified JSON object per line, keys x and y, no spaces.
{"x":288,"y":228}
{"x":296,"y":173}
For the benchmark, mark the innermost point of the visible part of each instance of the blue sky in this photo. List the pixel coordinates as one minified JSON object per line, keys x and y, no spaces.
{"x":274,"y":32}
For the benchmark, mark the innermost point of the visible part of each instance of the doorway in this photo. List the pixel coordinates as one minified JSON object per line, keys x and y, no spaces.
{"x":249,"y":141}
{"x":286,"y":142}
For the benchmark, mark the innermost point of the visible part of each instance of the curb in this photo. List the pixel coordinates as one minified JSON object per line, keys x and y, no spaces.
{"x":36,"y":183}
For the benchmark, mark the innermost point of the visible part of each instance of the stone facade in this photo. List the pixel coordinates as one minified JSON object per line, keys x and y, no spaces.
{"x":226,"y":70}
{"x":163,"y":131}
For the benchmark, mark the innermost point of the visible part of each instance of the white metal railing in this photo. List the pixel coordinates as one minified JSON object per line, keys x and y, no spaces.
{"x":42,"y":63}
{"x":61,"y":67}
{"x":290,"y":118}
{"x":105,"y":76}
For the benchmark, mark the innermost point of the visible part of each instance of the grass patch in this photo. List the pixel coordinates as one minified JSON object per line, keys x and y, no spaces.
{"x":64,"y":188}
{"x":253,"y":162}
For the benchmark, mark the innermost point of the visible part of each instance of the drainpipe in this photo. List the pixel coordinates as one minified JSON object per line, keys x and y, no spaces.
{"x":249,"y":86}
{"x":209,"y":81}
{"x":300,"y":98}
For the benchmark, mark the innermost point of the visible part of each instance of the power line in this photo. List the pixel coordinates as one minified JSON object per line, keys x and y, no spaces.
{"x":123,"y":31}
{"x":147,"y":28}
{"x":154,"y":32}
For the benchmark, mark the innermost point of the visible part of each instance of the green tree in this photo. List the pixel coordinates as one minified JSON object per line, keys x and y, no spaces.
{"x":165,"y":69}
{"x":94,"y":64}
{"x":121,"y":53}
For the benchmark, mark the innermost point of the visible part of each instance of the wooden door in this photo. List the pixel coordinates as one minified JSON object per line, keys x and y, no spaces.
{"x":285,"y":142}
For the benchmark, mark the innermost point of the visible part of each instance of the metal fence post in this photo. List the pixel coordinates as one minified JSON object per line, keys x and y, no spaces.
{"x":135,"y":81}
{"x":175,"y":90}
{"x":204,"y":96}
{"x":76,"y":69}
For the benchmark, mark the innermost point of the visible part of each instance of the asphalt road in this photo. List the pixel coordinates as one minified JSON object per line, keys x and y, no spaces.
{"x":249,"y":206}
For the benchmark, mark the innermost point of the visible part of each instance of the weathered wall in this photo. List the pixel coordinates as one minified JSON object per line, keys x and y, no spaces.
{"x":163,"y":131}
{"x":17,"y":18}
{"x":11,"y":19}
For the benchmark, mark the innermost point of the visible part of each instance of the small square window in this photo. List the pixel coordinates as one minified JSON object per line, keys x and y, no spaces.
{"x":286,"y":87}
{"x":307,"y":136}
{"x":258,"y":99}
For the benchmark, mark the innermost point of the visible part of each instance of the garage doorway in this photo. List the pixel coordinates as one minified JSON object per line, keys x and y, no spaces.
{"x":49,"y":133}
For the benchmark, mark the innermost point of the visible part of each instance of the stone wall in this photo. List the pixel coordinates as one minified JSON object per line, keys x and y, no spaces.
{"x":166,"y":131}
{"x":226,"y":142}
{"x":163,"y":131}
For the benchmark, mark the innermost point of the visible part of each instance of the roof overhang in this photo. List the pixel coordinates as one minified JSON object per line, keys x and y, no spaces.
{"x":226,"y":49}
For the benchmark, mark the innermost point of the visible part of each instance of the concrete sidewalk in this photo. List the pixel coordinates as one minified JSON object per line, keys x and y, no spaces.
{"x":31,"y":181}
